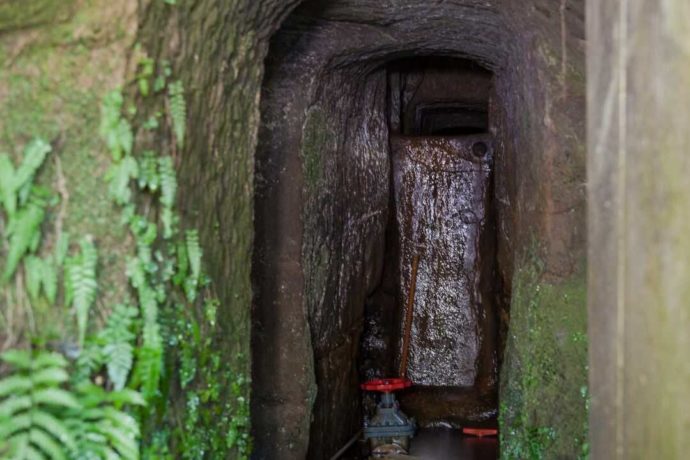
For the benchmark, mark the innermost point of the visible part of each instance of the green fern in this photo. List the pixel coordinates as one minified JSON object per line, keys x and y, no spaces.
{"x":117,"y":338}
{"x":149,"y":363}
{"x":24,"y":234}
{"x":39,"y":419}
{"x":34,"y":156}
{"x":149,"y":367}
{"x":41,"y":275}
{"x":31,"y":404}
{"x":178,"y":110}
{"x":148,"y":172}
{"x":166,"y":172}
{"x":8,"y":197}
{"x":119,"y":176}
{"x":81,"y":283}
{"x":15,"y":184}
{"x":101,"y":429}
{"x":194,"y":254}
{"x":90,"y":360}
{"x":115,"y":130}
{"x":146,"y":66}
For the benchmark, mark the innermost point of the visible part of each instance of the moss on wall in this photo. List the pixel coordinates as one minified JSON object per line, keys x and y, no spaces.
{"x":316,"y":140}
{"x":56,"y":66}
{"x":25,"y":14}
{"x":544,"y":398}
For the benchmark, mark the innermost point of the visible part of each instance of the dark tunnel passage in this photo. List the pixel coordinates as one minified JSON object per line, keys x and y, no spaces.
{"x":383,"y":139}
{"x":441,"y":210}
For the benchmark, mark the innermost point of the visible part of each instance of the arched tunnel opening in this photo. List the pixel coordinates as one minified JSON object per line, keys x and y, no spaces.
{"x":383,"y":140}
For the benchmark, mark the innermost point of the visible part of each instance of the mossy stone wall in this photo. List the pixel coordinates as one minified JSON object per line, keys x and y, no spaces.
{"x":57,"y":60}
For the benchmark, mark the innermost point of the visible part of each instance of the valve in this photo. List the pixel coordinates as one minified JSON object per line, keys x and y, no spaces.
{"x":386,"y":385}
{"x":389,"y":430}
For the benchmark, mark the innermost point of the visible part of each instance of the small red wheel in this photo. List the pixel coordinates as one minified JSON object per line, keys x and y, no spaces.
{"x":386,"y":385}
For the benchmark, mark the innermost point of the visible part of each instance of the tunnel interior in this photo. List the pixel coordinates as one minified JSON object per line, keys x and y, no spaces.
{"x":441,"y":210}
{"x":380,"y":141}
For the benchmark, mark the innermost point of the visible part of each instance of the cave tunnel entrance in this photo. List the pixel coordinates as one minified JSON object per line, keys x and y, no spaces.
{"x":385,"y":133}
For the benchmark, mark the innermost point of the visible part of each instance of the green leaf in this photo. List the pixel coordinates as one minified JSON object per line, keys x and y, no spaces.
{"x":46,"y":444}
{"x":168,"y":179}
{"x":14,"y":384}
{"x":81,"y":273}
{"x":119,"y":177}
{"x":124,"y":443}
{"x":22,"y":231}
{"x":147,"y":373}
{"x":47,"y":359}
{"x":34,"y":155}
{"x":126,"y":396}
{"x":122,"y":420}
{"x":20,"y":422}
{"x":8,"y":195}
{"x":55,"y":428}
{"x":178,"y":110}
{"x":55,"y":397}
{"x":148,"y":174}
{"x":32,"y":454}
{"x":119,"y":358}
{"x":10,"y":406}
{"x":49,"y":376}
{"x":114,"y":129}
{"x":18,"y":358}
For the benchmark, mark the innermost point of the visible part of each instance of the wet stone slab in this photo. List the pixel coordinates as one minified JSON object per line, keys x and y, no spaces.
{"x":441,"y":187}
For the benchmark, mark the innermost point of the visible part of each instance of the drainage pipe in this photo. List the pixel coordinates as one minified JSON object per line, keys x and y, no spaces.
{"x":349,"y":444}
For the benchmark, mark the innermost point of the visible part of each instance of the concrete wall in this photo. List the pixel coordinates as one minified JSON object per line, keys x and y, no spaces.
{"x":639,"y":228}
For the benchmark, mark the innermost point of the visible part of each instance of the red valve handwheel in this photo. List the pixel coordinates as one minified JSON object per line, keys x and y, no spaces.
{"x":386,"y":385}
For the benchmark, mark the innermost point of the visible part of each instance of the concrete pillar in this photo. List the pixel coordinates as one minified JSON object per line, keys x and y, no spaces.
{"x":639,"y":227}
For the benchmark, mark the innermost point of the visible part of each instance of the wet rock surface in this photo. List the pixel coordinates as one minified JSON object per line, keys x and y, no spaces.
{"x":441,"y":193}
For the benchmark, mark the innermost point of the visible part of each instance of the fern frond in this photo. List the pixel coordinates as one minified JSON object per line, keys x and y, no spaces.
{"x":148,"y":171}
{"x":40,"y":274}
{"x":194,"y":255}
{"x":29,"y":414}
{"x":101,"y":430}
{"x":115,"y":130}
{"x":34,"y":155}
{"x":81,"y":276}
{"x":166,"y":171}
{"x":8,"y":196}
{"x":22,"y":232}
{"x":178,"y":110}
{"x":119,"y":176}
{"x":118,"y":350}
{"x":90,"y":360}
{"x":148,"y":370}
